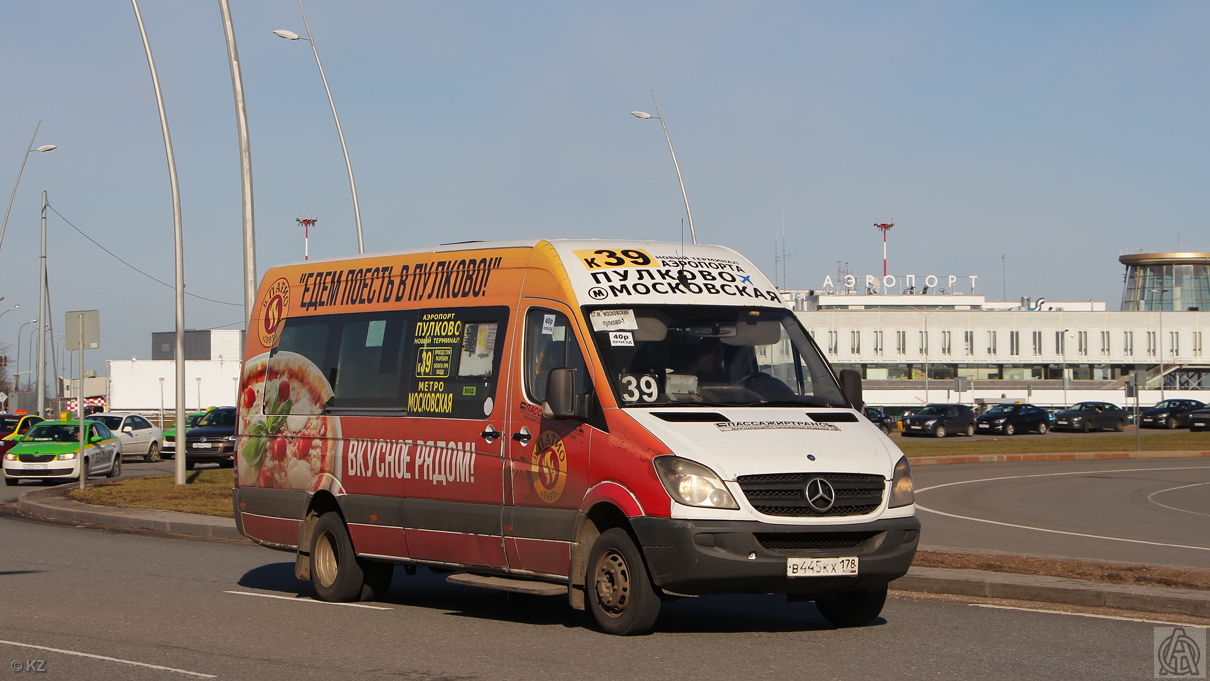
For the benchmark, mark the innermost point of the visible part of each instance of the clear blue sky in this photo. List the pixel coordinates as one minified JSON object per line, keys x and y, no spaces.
{"x":1053,"y":134}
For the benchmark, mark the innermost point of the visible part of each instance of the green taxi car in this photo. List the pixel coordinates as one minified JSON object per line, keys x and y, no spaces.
{"x":169,"y":449}
{"x":51,"y":450}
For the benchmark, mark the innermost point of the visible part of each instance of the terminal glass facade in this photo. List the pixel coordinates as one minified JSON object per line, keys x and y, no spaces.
{"x":1170,"y":286}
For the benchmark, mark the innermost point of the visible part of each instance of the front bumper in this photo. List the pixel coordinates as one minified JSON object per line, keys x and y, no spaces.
{"x":34,"y":471}
{"x":735,"y":556}
{"x":225,"y":451}
{"x":919,"y":429}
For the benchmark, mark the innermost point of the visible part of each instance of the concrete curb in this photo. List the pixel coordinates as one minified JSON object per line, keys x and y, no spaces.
{"x":52,"y":503}
{"x":1068,"y":456}
{"x":1154,"y":599}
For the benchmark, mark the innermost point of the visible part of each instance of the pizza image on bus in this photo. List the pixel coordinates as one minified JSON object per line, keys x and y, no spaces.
{"x":285,"y":440}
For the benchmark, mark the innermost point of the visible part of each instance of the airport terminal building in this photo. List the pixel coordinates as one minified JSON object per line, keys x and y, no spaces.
{"x":907,"y":335}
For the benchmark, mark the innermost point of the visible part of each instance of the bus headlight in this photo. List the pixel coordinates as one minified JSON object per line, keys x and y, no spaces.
{"x":693,"y":484}
{"x":901,"y":485}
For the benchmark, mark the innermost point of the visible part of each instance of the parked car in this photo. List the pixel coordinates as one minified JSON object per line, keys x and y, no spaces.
{"x":139,"y":436}
{"x":212,"y":440}
{"x":14,"y":425}
{"x":1200,"y":419}
{"x":169,"y":446}
{"x":939,"y":420}
{"x":1011,"y":419}
{"x":1170,"y":414}
{"x":879,"y":418}
{"x":51,"y":450}
{"x":1089,"y":416}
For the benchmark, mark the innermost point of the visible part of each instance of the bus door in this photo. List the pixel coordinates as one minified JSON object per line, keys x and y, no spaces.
{"x":547,"y":458}
{"x":455,"y":444}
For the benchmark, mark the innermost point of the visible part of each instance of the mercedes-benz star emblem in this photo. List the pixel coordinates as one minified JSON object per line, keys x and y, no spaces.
{"x":820,"y":495}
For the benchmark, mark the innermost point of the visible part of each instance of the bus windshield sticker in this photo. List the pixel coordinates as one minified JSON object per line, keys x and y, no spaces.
{"x":613,"y":320}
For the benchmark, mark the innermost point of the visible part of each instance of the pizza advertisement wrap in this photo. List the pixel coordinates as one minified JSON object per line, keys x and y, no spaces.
{"x":285,"y":441}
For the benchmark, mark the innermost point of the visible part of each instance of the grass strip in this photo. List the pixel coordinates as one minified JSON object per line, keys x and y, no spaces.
{"x":1097,"y":571}
{"x":206,"y":492}
{"x":963,"y":446}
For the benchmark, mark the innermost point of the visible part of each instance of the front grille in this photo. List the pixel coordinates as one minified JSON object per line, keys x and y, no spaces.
{"x":784,"y":494}
{"x":805,"y":541}
{"x":41,"y":473}
{"x":36,"y":458}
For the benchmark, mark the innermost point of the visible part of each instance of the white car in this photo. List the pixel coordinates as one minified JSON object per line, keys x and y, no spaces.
{"x":138,"y":435}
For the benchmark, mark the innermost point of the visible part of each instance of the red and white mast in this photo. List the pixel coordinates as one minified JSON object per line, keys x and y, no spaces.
{"x":307,"y":224}
{"x":885,"y":227}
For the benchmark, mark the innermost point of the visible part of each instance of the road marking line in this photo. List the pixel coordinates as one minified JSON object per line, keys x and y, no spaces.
{"x":294,"y":599}
{"x":1173,"y":489}
{"x":1070,"y":534}
{"x":1047,"y":475}
{"x":1081,"y":614}
{"x":1043,"y":529}
{"x":109,"y":659}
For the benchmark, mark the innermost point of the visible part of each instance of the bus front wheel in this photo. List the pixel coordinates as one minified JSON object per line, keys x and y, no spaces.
{"x":620,"y":594}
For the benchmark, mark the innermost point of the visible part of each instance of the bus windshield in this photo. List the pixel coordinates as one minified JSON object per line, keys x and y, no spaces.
{"x":711,"y":356}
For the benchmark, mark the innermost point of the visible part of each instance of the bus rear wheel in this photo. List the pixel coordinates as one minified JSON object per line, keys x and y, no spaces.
{"x":336,"y":573}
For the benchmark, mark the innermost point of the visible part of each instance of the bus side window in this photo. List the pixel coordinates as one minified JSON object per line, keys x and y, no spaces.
{"x":550,"y":343}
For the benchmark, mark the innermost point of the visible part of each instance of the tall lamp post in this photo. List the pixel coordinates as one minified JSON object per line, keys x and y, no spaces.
{"x":926,"y":312}
{"x":291,"y":35}
{"x":658,"y":114}
{"x":1161,"y":291}
{"x":1063,"y":354}
{"x":11,"y":196}
{"x":19,"y":332}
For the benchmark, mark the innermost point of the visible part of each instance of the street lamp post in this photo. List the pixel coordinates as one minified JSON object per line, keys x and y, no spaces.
{"x":9,"y":309}
{"x":178,"y":238}
{"x":45,"y":324}
{"x":11,"y":196}
{"x":19,"y":332}
{"x":1161,"y":290}
{"x":32,"y":332}
{"x":926,"y":314}
{"x":291,"y":35}
{"x":1063,"y":353}
{"x":685,"y":196}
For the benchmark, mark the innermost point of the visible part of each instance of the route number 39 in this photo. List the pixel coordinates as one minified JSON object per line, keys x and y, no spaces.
{"x":636,"y":388}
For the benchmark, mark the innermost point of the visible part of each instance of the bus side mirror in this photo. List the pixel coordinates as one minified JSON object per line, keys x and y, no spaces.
{"x":850,"y":383}
{"x":561,"y":401}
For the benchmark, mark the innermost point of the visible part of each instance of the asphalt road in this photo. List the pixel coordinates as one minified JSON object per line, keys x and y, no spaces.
{"x":1154,"y":511}
{"x":233,"y":610}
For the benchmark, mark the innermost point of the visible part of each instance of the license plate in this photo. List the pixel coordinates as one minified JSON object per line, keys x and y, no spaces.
{"x":981,"y":425}
{"x":914,"y":427}
{"x":201,"y":445}
{"x":820,"y":567}
{"x":37,"y":466}
{"x":1061,"y":422}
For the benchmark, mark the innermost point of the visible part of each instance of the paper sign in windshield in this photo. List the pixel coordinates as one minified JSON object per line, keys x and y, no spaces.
{"x":613,"y":320}
{"x":621,"y":339}
{"x":775,"y":425}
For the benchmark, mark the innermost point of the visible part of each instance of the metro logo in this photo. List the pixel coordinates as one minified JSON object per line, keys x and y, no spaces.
{"x":606,"y":258}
